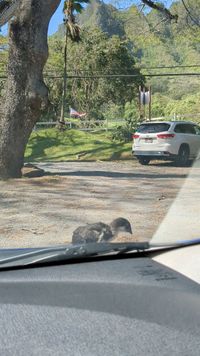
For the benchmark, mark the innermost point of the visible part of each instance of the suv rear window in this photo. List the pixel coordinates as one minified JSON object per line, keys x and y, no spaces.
{"x":153,"y":128}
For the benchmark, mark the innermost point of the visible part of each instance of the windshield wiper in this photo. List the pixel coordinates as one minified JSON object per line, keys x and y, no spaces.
{"x":32,"y":256}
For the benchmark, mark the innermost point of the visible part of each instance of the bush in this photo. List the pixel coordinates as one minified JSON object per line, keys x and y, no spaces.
{"x":122,"y":133}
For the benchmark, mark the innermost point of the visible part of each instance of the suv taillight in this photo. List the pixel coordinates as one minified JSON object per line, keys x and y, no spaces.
{"x":135,"y":136}
{"x":165,"y":136}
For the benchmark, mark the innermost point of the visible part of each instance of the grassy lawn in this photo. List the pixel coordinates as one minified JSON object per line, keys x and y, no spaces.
{"x":72,"y":145}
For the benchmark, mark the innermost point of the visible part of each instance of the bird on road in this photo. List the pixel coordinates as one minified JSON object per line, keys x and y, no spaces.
{"x":100,"y":232}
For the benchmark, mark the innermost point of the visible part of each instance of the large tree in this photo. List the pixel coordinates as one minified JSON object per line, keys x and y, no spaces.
{"x":26,"y":93}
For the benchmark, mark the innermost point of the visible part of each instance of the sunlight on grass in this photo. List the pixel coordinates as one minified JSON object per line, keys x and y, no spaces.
{"x":53,"y":145}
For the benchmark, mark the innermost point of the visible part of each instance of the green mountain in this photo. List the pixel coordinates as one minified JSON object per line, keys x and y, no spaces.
{"x":103,"y":16}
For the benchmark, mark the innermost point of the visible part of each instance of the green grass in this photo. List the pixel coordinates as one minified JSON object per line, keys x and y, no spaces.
{"x":53,"y":145}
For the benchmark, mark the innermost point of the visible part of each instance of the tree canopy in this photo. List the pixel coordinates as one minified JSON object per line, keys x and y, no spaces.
{"x":97,"y":53}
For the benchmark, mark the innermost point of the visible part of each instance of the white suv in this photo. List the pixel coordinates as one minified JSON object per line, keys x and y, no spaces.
{"x":175,"y":140}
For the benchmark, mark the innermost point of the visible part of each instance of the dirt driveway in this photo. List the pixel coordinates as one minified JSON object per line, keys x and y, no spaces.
{"x":45,"y":211}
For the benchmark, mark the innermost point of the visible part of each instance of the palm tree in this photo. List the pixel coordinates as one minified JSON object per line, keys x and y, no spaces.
{"x":71,"y":9}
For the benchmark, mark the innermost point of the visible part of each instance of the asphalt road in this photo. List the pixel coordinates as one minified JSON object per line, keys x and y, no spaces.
{"x":45,"y":211}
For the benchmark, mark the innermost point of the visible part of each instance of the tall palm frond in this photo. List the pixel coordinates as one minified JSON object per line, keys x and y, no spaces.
{"x":71,"y":8}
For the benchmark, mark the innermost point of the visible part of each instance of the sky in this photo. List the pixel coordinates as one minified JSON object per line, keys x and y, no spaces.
{"x":57,"y":18}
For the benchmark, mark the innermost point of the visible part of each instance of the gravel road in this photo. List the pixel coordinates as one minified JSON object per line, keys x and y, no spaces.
{"x":44,"y":211}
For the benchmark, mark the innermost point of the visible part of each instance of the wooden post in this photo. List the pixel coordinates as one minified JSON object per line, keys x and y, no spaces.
{"x":144,"y":104}
{"x":106,"y":124}
{"x":150,"y":103}
{"x":140,"y":105}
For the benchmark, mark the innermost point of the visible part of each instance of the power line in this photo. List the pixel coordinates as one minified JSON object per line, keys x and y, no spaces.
{"x":123,"y":75}
{"x":131,"y":70}
{"x":171,"y":67}
{"x":139,"y":68}
{"x":116,"y":76}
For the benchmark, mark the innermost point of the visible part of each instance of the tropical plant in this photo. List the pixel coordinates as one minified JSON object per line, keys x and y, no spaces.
{"x":71,"y":8}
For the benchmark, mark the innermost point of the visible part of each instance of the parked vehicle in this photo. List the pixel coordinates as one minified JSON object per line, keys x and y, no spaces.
{"x":165,"y":140}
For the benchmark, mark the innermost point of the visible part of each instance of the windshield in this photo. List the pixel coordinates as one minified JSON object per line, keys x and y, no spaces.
{"x":76,"y":98}
{"x":153,"y":128}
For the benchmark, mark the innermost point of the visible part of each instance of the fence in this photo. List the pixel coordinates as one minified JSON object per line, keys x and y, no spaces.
{"x":96,"y":125}
{"x":107,"y":125}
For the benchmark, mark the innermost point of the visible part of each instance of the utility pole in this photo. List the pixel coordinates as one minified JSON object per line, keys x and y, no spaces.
{"x":63,"y":106}
{"x":140,"y":104}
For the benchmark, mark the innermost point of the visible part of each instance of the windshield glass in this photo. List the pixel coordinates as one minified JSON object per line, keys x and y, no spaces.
{"x":76,"y":98}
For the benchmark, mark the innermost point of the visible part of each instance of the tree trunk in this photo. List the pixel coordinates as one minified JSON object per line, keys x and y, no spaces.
{"x":26,"y":93}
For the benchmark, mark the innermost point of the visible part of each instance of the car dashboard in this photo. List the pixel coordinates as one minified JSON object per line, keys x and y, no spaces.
{"x":126,"y":306}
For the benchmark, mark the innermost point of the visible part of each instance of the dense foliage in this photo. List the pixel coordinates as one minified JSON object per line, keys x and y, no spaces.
{"x":96,"y":54}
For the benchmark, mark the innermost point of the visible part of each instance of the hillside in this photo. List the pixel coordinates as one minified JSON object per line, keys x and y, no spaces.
{"x":154,"y":41}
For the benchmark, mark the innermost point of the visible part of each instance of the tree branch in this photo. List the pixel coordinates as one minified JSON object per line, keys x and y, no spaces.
{"x":195,"y":21}
{"x":162,"y":9}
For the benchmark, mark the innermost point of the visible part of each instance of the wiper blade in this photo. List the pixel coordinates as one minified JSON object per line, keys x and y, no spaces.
{"x":32,"y":256}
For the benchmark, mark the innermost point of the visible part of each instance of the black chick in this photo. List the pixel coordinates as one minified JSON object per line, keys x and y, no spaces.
{"x":92,"y":233}
{"x":100,"y":232}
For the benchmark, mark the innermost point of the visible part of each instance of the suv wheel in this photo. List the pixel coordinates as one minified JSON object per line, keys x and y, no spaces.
{"x":183,"y":156}
{"x":144,"y":161}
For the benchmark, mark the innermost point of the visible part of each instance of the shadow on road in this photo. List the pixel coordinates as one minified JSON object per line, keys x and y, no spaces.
{"x":168,"y":164}
{"x":119,"y":175}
